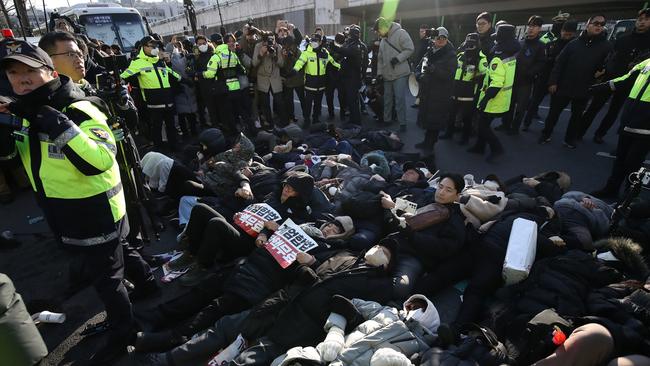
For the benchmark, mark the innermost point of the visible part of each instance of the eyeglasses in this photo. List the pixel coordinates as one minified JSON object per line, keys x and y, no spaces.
{"x":598,"y":24}
{"x":70,"y":54}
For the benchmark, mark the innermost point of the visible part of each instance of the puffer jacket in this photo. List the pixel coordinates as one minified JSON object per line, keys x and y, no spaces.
{"x":399,"y":38}
{"x":575,"y":215}
{"x":385,"y":327}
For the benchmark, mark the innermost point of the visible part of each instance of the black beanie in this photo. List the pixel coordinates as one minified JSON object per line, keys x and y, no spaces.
{"x":302,"y":183}
{"x":214,"y":141}
{"x":216,"y":38}
{"x":505,"y":32}
{"x":486,"y":16}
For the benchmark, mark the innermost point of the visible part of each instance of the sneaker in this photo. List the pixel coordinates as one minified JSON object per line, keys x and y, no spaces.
{"x":544,"y":140}
{"x":569,"y":144}
{"x":182,"y":262}
{"x":194,"y":276}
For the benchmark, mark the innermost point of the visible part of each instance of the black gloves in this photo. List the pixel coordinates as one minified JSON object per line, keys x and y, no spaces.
{"x":494,"y":199}
{"x":394,"y":61}
{"x":44,"y":119}
{"x":489,"y":94}
{"x":600,"y":88}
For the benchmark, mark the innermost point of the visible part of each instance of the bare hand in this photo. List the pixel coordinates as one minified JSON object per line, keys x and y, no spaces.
{"x":588,"y":203}
{"x":244,"y":193}
{"x":377,"y":177}
{"x":552,"y":89}
{"x":330,"y":163}
{"x":531,"y":182}
{"x":557,"y":241}
{"x":271,"y":225}
{"x":261,"y":240}
{"x":304,"y":258}
{"x":386,"y":201}
{"x":4,"y":108}
{"x":247,"y":172}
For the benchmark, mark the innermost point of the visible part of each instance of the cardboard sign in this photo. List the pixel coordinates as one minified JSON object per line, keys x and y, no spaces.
{"x":287,"y":242}
{"x":252,"y":218}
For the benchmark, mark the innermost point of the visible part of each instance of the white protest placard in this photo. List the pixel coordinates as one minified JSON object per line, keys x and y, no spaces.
{"x":252,"y":218}
{"x":287,"y":242}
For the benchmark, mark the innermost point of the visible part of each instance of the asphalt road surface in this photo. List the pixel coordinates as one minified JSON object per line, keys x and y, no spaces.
{"x":38,"y":268}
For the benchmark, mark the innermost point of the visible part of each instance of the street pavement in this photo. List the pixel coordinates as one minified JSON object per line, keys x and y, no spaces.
{"x":39,"y":269}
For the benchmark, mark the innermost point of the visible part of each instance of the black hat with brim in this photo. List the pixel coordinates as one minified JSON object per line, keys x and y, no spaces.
{"x":25,"y":53}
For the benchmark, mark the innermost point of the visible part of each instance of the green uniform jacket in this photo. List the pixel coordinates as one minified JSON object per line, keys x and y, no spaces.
{"x":154,"y":78}
{"x":315,"y":65}
{"x":225,"y":65}
{"x":500,"y":74}
{"x":75,"y":175}
{"x":635,"y":117}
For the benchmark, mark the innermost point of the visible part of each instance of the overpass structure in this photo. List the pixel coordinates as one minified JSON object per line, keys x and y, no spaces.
{"x":333,"y":15}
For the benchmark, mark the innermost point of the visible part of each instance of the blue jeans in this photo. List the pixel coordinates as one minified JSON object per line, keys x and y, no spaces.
{"x":408,"y":270}
{"x":395,"y":89}
{"x":185,"y":208}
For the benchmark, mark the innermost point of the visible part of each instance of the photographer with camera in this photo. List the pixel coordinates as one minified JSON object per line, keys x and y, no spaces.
{"x":70,"y":159}
{"x":353,"y":66}
{"x":268,"y":58}
{"x":156,"y":81}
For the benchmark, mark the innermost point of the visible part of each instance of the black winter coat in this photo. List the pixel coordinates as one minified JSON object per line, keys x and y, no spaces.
{"x":630,"y":48}
{"x":530,"y":61}
{"x":437,"y":242}
{"x":576,"y":65}
{"x":436,"y":87}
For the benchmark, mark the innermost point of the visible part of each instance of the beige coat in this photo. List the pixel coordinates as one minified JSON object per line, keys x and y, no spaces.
{"x":268,"y":69}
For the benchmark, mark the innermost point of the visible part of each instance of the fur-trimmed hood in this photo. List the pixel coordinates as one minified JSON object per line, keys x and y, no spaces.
{"x":629,"y":253}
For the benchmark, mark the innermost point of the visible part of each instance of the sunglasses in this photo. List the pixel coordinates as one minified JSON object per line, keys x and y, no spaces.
{"x":598,"y":24}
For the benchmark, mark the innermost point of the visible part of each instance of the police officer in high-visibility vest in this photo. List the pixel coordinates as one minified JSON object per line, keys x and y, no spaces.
{"x":496,"y":92}
{"x":472,"y":66}
{"x":314,"y":60}
{"x":224,"y":67}
{"x":634,"y":133}
{"x":68,"y":151}
{"x":156,"y":81}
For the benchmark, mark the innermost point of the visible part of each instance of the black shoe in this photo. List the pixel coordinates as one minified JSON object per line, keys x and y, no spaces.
{"x":150,"y":320}
{"x":157,"y":342}
{"x":415,"y":106}
{"x":446,"y":136}
{"x":569,"y":144}
{"x":108,"y":354}
{"x":475,"y":150}
{"x":544,"y":140}
{"x":598,"y":139}
{"x":146,"y":290}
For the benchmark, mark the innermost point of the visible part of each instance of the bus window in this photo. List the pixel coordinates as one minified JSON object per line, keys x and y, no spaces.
{"x":106,"y":27}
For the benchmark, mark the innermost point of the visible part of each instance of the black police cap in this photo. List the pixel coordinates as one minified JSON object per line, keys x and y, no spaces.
{"x":24,"y":52}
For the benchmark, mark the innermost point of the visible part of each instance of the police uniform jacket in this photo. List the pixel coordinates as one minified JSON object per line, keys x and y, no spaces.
{"x":155,"y":78}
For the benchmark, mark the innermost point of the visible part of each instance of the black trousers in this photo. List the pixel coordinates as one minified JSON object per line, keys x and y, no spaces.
{"x":178,"y":175}
{"x":540,"y":90}
{"x":313,"y":100}
{"x":265,"y":104}
{"x":597,"y":102}
{"x":466,"y":110}
{"x":287,"y":94}
{"x":241,"y":109}
{"x":157,"y":116}
{"x":558,"y":103}
{"x":210,"y":234}
{"x":187,"y":122}
{"x":518,"y":106}
{"x":351,"y":87}
{"x":483,"y":270}
{"x":226,"y":304}
{"x":485,"y":134}
{"x":334,"y":83}
{"x":630,"y":155}
{"x":102,"y":266}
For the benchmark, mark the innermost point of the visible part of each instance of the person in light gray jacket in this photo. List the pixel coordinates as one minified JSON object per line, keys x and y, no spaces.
{"x":393,"y":67}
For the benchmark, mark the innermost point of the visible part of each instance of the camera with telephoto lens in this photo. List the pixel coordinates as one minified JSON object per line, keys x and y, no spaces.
{"x":107,"y":82}
{"x":270,"y":45}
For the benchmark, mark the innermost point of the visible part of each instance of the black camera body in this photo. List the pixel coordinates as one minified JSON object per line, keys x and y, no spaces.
{"x":11,"y":121}
{"x":270,"y":45}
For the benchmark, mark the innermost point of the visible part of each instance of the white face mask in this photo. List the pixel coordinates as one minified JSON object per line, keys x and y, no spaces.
{"x":154,"y":52}
{"x":199,"y":155}
{"x":376,"y":257}
{"x":203,"y":48}
{"x":417,"y":314}
{"x":314,"y":45}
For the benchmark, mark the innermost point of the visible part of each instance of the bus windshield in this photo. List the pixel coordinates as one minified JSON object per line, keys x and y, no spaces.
{"x":109,"y":28}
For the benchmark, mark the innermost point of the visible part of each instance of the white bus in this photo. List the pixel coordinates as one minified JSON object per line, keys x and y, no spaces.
{"x":109,"y":23}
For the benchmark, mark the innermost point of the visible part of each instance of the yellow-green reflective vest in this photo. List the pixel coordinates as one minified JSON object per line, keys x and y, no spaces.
{"x":500,"y":74}
{"x":315,"y":67}
{"x":76,"y":177}
{"x":224,"y":63}
{"x":154,"y":80}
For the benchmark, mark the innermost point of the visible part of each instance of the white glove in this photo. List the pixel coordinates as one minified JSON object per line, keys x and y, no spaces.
{"x":332,"y":345}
